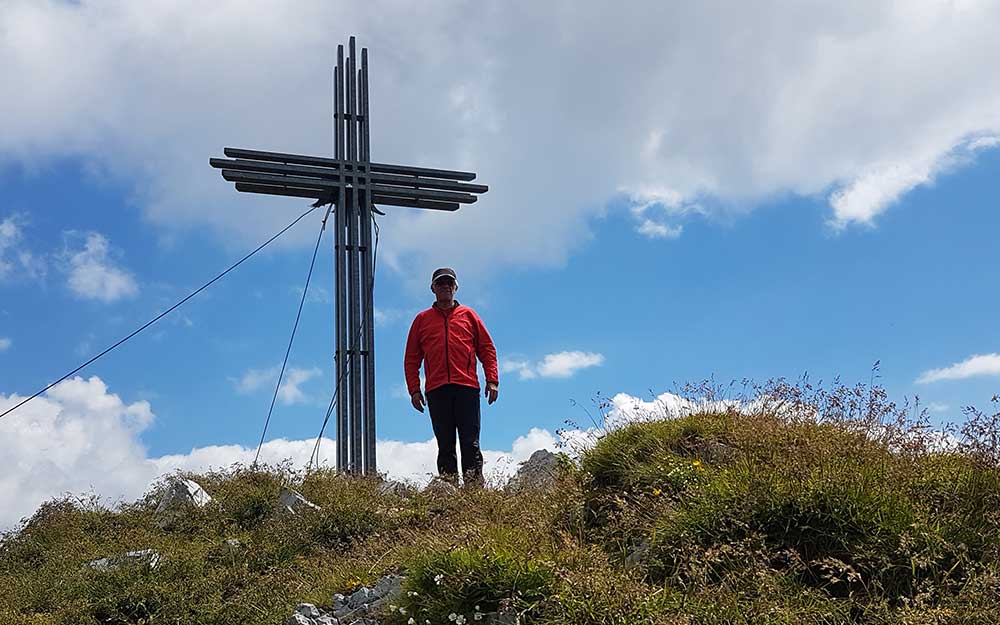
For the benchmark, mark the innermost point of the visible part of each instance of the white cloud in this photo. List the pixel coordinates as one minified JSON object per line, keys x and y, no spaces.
{"x":523,"y":368}
{"x":15,"y":259}
{"x":289,"y":391}
{"x":984,"y":143}
{"x":558,"y":365}
{"x":4,"y":343}
{"x":93,"y":275}
{"x":81,"y":438}
{"x":655,"y":230}
{"x":977,"y":365}
{"x":565,"y":364}
{"x":938,"y":407}
{"x":843,"y":100}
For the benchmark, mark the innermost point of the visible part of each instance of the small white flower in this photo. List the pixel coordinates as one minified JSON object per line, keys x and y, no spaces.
{"x":412,"y":621}
{"x":402,"y":610}
{"x":413,"y":593}
{"x":437,"y":580}
{"x":392,"y":608}
{"x":477,"y":608}
{"x":478,"y":616}
{"x":460,"y":620}
{"x":452,"y":616}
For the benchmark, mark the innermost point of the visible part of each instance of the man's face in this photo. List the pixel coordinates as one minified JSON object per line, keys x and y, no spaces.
{"x":444,"y":288}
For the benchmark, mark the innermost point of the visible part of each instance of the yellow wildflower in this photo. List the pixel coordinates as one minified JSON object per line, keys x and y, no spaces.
{"x":657,"y":492}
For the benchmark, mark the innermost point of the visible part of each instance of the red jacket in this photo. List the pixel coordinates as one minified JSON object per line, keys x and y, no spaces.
{"x":448,"y":342}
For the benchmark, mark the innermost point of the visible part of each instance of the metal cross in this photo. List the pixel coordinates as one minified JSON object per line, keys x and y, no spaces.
{"x":353,"y":185}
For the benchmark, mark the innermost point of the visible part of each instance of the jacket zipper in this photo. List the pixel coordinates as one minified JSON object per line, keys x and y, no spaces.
{"x":447,"y":353}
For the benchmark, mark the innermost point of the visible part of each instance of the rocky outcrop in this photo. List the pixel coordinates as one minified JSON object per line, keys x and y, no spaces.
{"x":537,"y":472}
{"x":181,"y":495}
{"x":359,"y":608}
{"x":141,"y":557}
{"x":294,"y":503}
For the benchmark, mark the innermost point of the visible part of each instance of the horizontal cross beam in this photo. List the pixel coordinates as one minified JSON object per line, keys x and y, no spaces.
{"x":298,"y":159}
{"x":330,"y":173}
{"x":301,"y":182}
{"x":325,"y":197}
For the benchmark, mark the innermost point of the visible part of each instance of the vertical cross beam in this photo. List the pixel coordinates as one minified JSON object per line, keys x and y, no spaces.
{"x":355,"y":314}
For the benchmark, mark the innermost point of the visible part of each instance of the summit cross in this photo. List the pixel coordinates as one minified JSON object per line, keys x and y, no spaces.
{"x":352,"y":184}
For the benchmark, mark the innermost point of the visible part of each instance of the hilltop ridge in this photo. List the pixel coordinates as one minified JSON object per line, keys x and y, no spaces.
{"x":797,"y":505}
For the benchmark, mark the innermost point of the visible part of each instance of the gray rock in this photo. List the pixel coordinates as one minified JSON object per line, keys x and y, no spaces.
{"x":355,"y":609}
{"x":180,"y":496}
{"x":537,"y":472}
{"x":395,"y":487}
{"x":389,"y":588}
{"x":294,"y":503}
{"x":638,"y":555}
{"x":147,"y":557}
{"x":500,"y":618}
{"x":308,"y":614}
{"x":440,"y":488}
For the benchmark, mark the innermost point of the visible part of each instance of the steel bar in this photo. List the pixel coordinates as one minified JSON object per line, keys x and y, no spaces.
{"x":327,"y":173}
{"x":354,"y":277}
{"x":328,"y":196}
{"x":368,"y":278}
{"x":303,"y":182}
{"x":384,"y":168}
{"x":339,"y":253}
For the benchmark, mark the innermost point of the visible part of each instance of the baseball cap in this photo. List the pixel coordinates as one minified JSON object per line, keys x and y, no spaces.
{"x":444,"y":272}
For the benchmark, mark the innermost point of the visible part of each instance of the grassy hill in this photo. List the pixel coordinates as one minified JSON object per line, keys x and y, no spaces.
{"x":799,"y":506}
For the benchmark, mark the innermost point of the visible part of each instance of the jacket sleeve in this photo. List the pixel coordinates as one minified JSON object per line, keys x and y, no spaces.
{"x":412,"y":358}
{"x":487,"y":352}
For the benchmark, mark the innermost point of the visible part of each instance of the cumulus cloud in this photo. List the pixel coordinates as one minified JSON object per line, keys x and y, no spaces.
{"x":92,"y":274}
{"x":724,"y":108}
{"x":976,"y":365}
{"x":81,"y":438}
{"x":4,"y":343}
{"x":558,"y":365}
{"x":288,"y":393}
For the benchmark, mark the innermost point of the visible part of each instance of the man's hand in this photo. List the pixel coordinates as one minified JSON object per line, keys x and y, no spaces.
{"x":417,"y":399}
{"x":491,"y":392}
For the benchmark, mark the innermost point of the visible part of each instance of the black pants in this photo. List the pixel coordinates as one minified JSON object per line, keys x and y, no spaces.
{"x":454,"y":407}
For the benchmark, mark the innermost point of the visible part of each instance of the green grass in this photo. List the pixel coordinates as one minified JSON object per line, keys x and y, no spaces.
{"x":838,"y":511}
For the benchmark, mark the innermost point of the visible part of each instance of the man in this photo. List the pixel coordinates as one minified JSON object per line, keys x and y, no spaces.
{"x":447,"y":338}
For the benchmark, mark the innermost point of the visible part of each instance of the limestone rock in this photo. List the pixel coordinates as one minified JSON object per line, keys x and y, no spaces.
{"x":181,"y":495}
{"x":537,"y":472}
{"x":395,"y":487}
{"x":637,"y":556}
{"x":293,"y":502}
{"x":356,"y":609}
{"x":146,"y":557}
{"x":440,"y":488}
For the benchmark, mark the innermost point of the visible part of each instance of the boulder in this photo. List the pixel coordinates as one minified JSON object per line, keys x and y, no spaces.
{"x":180,"y":496}
{"x":537,"y":472}
{"x":294,"y":503}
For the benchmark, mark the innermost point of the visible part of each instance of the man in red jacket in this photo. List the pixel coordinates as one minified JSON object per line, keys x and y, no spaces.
{"x":447,"y":338}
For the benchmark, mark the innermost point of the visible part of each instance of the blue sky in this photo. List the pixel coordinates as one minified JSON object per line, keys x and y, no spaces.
{"x":808,"y":221}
